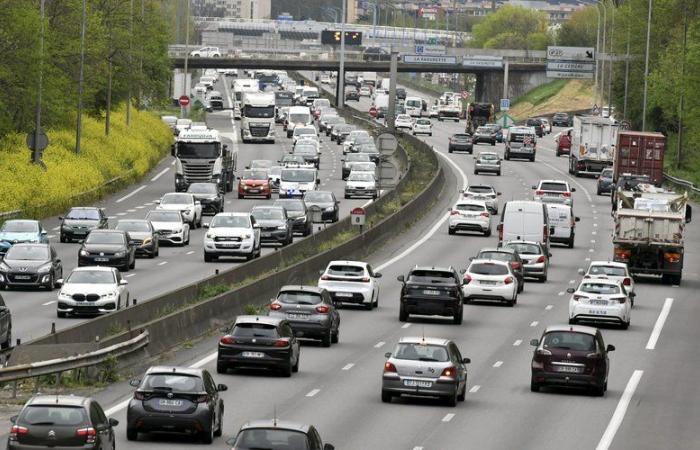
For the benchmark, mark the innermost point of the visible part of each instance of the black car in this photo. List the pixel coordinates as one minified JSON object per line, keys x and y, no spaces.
{"x":80,"y":221}
{"x":537,"y":125}
{"x":508,"y":255}
{"x":329,"y":121}
{"x":376,"y":54}
{"x":325,"y":200}
{"x":108,"y":248}
{"x":176,"y":399}
{"x":275,"y":225}
{"x":461,"y":142}
{"x":352,"y":94}
{"x":30,"y":265}
{"x":341,"y":131}
{"x":61,"y":422}
{"x":5,"y":325}
{"x":310,"y":311}
{"x":350,"y":159}
{"x":400,"y":93}
{"x":561,"y":119}
{"x":431,"y":291}
{"x":309,"y":152}
{"x":605,"y":184}
{"x":209,"y":195}
{"x":259,"y":342}
{"x":297,"y":211}
{"x":142,"y":235}
{"x":371,"y":151}
{"x":272,"y":434}
{"x":484,"y":134}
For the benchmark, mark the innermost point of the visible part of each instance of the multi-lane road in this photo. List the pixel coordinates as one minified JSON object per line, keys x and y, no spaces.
{"x":651,"y":401}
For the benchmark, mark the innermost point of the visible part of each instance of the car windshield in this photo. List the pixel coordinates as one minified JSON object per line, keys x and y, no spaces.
{"x":483,"y":130}
{"x":53,"y":415}
{"x":496,"y":255}
{"x":20,"y":226}
{"x":256,"y":175}
{"x":356,"y":157}
{"x":254,"y":330}
{"x":292,"y":159}
{"x":299,"y":176}
{"x":363,"y":167}
{"x":522,"y":137}
{"x":480,"y":190}
{"x":225,"y":221}
{"x":268,"y":213}
{"x":305,"y":149}
{"x":333,"y":120}
{"x":268,"y":439}
{"x":431,"y":276}
{"x":606,"y":173}
{"x":569,"y":340}
{"x":469,"y":207}
{"x":83,"y":214}
{"x":360,"y":176}
{"x":302,"y":131}
{"x":91,"y":277}
{"x":105,"y":238}
{"x":524,"y":249}
{"x":164,"y":216}
{"x":488,"y":157}
{"x":461,"y":136}
{"x":420,"y":352}
{"x":261,"y":164}
{"x":133,"y":225}
{"x":299,"y":298}
{"x":611,"y":271}
{"x":559,"y":187}
{"x":290,"y":204}
{"x":198,"y":150}
{"x":299,"y":118}
{"x":27,"y":253}
{"x":172,"y":382}
{"x":403,"y":117}
{"x":488,"y":269}
{"x":367,"y":148}
{"x":423,"y":122}
{"x":203,"y":188}
{"x":176,"y":199}
{"x":599,"y":288}
{"x":318,"y":196}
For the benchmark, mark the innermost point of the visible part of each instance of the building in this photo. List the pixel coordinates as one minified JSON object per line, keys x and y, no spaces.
{"x":240,"y":9}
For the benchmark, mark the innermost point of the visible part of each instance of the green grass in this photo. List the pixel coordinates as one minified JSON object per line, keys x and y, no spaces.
{"x":542,"y":93}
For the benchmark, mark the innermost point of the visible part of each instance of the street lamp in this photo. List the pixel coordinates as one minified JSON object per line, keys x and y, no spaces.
{"x":341,"y":70}
{"x":646,"y":70}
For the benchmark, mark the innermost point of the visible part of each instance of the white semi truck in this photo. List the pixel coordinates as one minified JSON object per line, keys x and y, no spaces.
{"x":592,"y":145}
{"x":200,"y":157}
{"x":239,"y":87}
{"x":258,"y":117}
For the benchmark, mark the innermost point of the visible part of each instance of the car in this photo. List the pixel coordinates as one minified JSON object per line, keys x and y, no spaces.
{"x":487,"y":279}
{"x":294,"y":182}
{"x":534,"y":256}
{"x":613,"y":271}
{"x":366,"y":167}
{"x":350,"y":160}
{"x":460,"y":142}
{"x":484,"y":193}
{"x":302,"y":130}
{"x":508,"y":255}
{"x":261,"y":164}
{"x":365,"y":91}
{"x":400,"y":93}
{"x":297,"y":211}
{"x":142,"y":235}
{"x":361,"y":184}
{"x":469,"y":215}
{"x":352,"y":94}
{"x":375,"y":54}
{"x":571,"y":356}
{"x":311,"y":312}
{"x":352,"y":282}
{"x":180,"y":399}
{"x":340,"y":131}
{"x":325,"y":125}
{"x":561,"y":119}
{"x":521,"y":143}
{"x":326,"y":202}
{"x":357,"y":142}
{"x":30,"y":265}
{"x":546,"y":125}
{"x":488,"y":162}
{"x":426,"y":367}
{"x":112,"y":248}
{"x":422,"y":126}
{"x":275,"y":226}
{"x":370,"y":150}
{"x":537,"y":125}
{"x":554,"y":191}
{"x":92,"y":290}
{"x":258,"y":342}
{"x":563,"y":141}
{"x":21,"y":231}
{"x":5,"y":325}
{"x":484,"y":134}
{"x":231,"y":234}
{"x":562,"y":224}
{"x":190,"y":208}
{"x":605,"y":183}
{"x":354,"y":136}
{"x":431,"y":291}
{"x":309,"y":152}
{"x":273,"y":434}
{"x":254,"y":182}
{"x":600,"y":300}
{"x":71,"y":421}
{"x":433,"y":112}
{"x":325,"y":79}
{"x":327,"y":115}
{"x":403,"y":121}
{"x":79,"y":221}
{"x":170,"y":227}
{"x":297,"y":161}
{"x":206,"y":52}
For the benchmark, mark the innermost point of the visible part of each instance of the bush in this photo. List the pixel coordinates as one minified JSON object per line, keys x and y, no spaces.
{"x":127,"y":152}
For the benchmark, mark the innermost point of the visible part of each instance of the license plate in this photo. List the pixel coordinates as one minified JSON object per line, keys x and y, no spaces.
{"x":167,"y":402}
{"x":343,"y":294}
{"x":489,"y":283}
{"x":431,"y":292}
{"x":253,"y":355}
{"x":23,"y":277}
{"x":298,"y":316}
{"x":101,"y":259}
{"x":599,"y":302}
{"x":253,"y":191}
{"x":229,"y":245}
{"x":598,"y":312}
{"x":567,"y":369}
{"x":416,"y":383}
{"x":266,"y":234}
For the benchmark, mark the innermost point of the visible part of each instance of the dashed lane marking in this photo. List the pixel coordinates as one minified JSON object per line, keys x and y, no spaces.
{"x":313,"y":392}
{"x":379,"y":344}
{"x":448,"y":417}
{"x":659,"y":325}
{"x":348,"y":366}
{"x":498,"y":364}
{"x":517,"y":343}
{"x":534,"y":323}
{"x":159,"y":174}
{"x":131,"y":194}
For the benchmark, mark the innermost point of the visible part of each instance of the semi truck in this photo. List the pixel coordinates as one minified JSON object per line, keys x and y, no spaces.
{"x":648,"y":232}
{"x":239,"y":87}
{"x":258,"y":117}
{"x":593,"y":142}
{"x":638,"y":159}
{"x":479,"y":114}
{"x":179,"y":86}
{"x":200,"y":157}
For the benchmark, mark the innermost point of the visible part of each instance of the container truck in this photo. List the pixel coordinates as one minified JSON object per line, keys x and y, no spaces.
{"x":200,"y":157}
{"x":258,"y":117}
{"x":593,"y":142}
{"x":639,"y":158}
{"x":478,"y":114}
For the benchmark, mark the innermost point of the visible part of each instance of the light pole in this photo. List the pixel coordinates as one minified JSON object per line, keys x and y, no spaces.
{"x":81,"y":80}
{"x":610,"y":75}
{"x":602,"y":65}
{"x":131,"y":56}
{"x":646,"y":70}
{"x":36,"y":155}
{"x":183,"y":110}
{"x":597,"y":57}
{"x":341,"y":70}
{"x":627,"y":59}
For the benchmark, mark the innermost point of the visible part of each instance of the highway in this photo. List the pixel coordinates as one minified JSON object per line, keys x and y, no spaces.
{"x":651,"y":401}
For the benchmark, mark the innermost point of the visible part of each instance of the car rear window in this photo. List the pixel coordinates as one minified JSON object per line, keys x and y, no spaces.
{"x":599,"y":288}
{"x":254,"y":330}
{"x":431,"y":276}
{"x":559,"y":187}
{"x":525,"y":249}
{"x":488,"y":269}
{"x":480,"y":190}
{"x":488,"y":156}
{"x":498,"y":256}
{"x":612,"y":271}
{"x":470,"y":207}
{"x":53,"y":415}
{"x":299,"y":298}
{"x":346,"y":271}
{"x":420,"y":352}
{"x":260,"y":438}
{"x":461,"y":136}
{"x":569,"y":340}
{"x":172,"y":382}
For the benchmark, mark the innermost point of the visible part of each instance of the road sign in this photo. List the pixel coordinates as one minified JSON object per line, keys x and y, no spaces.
{"x":465,"y":95}
{"x":568,"y":66}
{"x":506,"y":121}
{"x":558,"y":53}
{"x":570,"y":62}
{"x":427,"y":49}
{"x":495,"y":62}
{"x":184,"y":100}
{"x":358,"y":216}
{"x":505,"y":104}
{"x":427,"y":59}
{"x":373,"y":111}
{"x":39,"y":145}
{"x":562,"y":74}
{"x":387,"y":144}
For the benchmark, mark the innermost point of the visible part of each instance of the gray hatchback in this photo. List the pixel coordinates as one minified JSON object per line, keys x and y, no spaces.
{"x":310,"y":311}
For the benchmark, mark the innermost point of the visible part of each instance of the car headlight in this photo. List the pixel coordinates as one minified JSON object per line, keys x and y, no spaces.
{"x":147,"y":241}
{"x":119,"y":254}
{"x":177,"y":231}
{"x":4,"y":267}
{"x":209,"y":236}
{"x":44,"y":268}
{"x":63,"y":295}
{"x":84,"y":253}
{"x":247,"y":236}
{"x":109,"y":295}
{"x":330,"y":208}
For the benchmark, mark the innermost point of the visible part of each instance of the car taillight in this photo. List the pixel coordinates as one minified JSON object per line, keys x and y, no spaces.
{"x":545,"y":232}
{"x":622,"y":254}
{"x":139,"y":396}
{"x":539,"y":192}
{"x":627,"y":282}
{"x":449,"y":372}
{"x":621,"y":300}
{"x":672,"y":257}
{"x":566,"y":194}
{"x":515,"y":265}
{"x":365,"y":279}
{"x":499,"y":227}
{"x":88,"y":433}
{"x":323,"y":309}
{"x":17,"y":430}
{"x":540,"y":259}
{"x":281,"y":343}
{"x":467,"y":278}
{"x":275,"y":306}
{"x":389,"y":367}
{"x":508,"y":280}
{"x":202,"y":399}
{"x":454,"y":212}
{"x":484,"y":214}
{"x":228,"y":340}
{"x":325,"y":277}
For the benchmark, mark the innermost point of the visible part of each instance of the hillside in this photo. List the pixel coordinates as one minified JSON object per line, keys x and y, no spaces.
{"x":558,"y":95}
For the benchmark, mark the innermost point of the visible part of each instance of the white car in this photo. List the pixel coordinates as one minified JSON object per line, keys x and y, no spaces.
{"x":189,"y":207}
{"x":325,"y":79}
{"x":365,"y":91}
{"x":200,"y":90}
{"x":352,"y":137}
{"x":303,"y":130}
{"x":361,"y":184}
{"x":489,"y":279}
{"x":294,"y":182}
{"x":484,"y":193}
{"x":206,"y":52}
{"x":469,"y":215}
{"x":546,"y":126}
{"x":92,"y":290}
{"x":612,"y":270}
{"x":351,"y":282}
{"x":600,"y":300}
{"x":364,"y":167}
{"x":554,"y":191}
{"x":231,"y":234}
{"x":433,"y":112}
{"x":169,"y":226}
{"x":422,"y":126}
{"x":403,"y":121}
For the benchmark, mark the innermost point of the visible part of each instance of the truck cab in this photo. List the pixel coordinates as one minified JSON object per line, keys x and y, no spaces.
{"x":200,"y":157}
{"x":258,"y":117}
{"x":239,"y":87}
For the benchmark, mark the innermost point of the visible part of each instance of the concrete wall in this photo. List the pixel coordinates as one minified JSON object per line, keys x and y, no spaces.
{"x":489,"y":86}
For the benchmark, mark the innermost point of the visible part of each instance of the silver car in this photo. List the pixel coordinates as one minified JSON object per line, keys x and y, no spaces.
{"x":535,"y":258}
{"x":487,"y":162}
{"x":427,"y":367}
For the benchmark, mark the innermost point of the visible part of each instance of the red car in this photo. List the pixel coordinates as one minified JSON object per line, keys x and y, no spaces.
{"x":255,"y":183}
{"x":564,"y":143}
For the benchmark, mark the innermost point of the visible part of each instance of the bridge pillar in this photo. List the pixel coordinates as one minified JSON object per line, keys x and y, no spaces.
{"x":479,"y":87}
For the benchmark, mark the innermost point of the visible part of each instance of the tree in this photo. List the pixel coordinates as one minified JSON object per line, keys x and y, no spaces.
{"x":580,"y":30}
{"x":513,"y":27}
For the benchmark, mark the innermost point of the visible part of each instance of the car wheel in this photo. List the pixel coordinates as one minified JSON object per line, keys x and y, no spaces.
{"x":326,"y":339}
{"x":335,"y":337}
{"x":403,"y":315}
{"x":461,"y":397}
{"x":571,"y":242}
{"x":534,"y":387}
{"x":287,"y":369}
{"x":493,"y":143}
{"x":452,"y":399}
{"x":626,"y":325}
{"x":52,"y":283}
{"x":8,"y":339}
{"x":220,"y":426}
{"x":295,"y":367}
{"x":132,"y":434}
{"x":543,"y":279}
{"x":187,"y":242}
{"x":133,"y":264}
{"x":375,"y":304}
{"x":498,"y":173}
{"x":60,"y":314}
{"x":450,"y":231}
{"x":457,"y":319}
{"x":487,"y":233}
{"x":476,"y":172}
{"x":599,"y":391}
{"x":386,"y":397}
{"x":126,"y":267}
{"x":208,"y":435}
{"x":572,"y":321}
{"x":221,"y":367}
{"x":63,"y":239}
{"x":449,"y":150}
{"x":207,"y":257}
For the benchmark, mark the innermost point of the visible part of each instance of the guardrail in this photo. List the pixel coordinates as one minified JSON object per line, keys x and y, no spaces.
{"x":685,"y":184}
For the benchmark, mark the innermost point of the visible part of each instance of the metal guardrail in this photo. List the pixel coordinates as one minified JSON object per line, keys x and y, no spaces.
{"x":681,"y":182}
{"x":22,"y":371}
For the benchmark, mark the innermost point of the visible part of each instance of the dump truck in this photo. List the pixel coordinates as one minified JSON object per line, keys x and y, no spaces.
{"x":479,"y":114}
{"x":593,"y":142}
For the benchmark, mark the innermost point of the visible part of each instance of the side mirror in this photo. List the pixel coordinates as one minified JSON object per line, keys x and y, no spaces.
{"x":256,"y":226}
{"x":471,"y":258}
{"x":466,"y":361}
{"x":551,"y":230}
{"x":318,"y":181}
{"x":498,"y":193}
{"x":247,"y":167}
{"x":632,"y":295}
{"x":13,"y":419}
{"x":59,"y":282}
{"x":581,"y":272}
{"x":135,"y":382}
{"x":688,"y":213}
{"x":610,"y":348}
{"x":573,"y":189}
{"x":123,"y":283}
{"x":377,"y":275}
{"x":225,"y":147}
{"x":577,"y":219}
{"x":206,"y":225}
{"x":387,"y":355}
{"x":328,"y":447}
{"x":534,"y":342}
{"x":58,"y":261}
{"x":157,"y":202}
{"x":570,"y":290}
{"x":44,"y":232}
{"x":221,"y":387}
{"x":113,"y":422}
{"x":400,"y":278}
{"x":549,"y":255}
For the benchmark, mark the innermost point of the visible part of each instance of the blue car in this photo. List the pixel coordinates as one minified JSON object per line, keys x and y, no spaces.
{"x":21,"y":231}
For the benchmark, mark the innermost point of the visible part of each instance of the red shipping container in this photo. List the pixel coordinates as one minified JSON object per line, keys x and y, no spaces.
{"x":640,"y":153}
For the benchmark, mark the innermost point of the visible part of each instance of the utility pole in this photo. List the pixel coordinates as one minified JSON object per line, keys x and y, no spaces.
{"x":627,"y":60}
{"x":646,"y":71}
{"x":131,"y":56}
{"x":183,"y":110}
{"x":340,"y":100}
{"x":36,"y":155}
{"x":81,"y":80}
{"x":602,"y":67}
{"x":143,"y":25}
{"x":597,"y":57}
{"x":679,"y":151}
{"x":612,"y":40}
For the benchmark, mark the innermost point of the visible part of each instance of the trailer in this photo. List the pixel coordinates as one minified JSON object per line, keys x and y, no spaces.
{"x":593,"y":142}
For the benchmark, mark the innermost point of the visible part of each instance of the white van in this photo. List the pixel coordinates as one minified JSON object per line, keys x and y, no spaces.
{"x":295,"y":181}
{"x":298,"y":115}
{"x":524,"y":221}
{"x":414,"y":106}
{"x":562,"y":223}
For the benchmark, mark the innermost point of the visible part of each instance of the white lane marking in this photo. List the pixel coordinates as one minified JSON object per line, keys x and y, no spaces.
{"x":498,"y":364}
{"x":417,"y":448}
{"x":56,"y":228}
{"x":548,"y":307}
{"x":517,"y":343}
{"x":534,"y":323}
{"x":111,"y":217}
{"x":48,"y":303}
{"x":620,"y":411}
{"x":121,"y":214}
{"x":160,"y":174}
{"x":140,"y":207}
{"x":313,"y":392}
{"x":130,"y":275}
{"x":591,"y":250}
{"x":595,"y":224}
{"x":656,"y":332}
{"x":475,"y":389}
{"x":131,"y":210}
{"x":588,"y":259}
{"x":379,"y":344}
{"x":572,"y":281}
{"x":172,"y":163}
{"x":162,"y":263}
{"x":406,"y":325}
{"x":131,"y":194}
{"x":190,"y":252}
{"x":348,"y":366}
{"x":448,"y":417}
{"x":594,"y":233}
{"x":561,"y":293}
{"x":592,"y":241}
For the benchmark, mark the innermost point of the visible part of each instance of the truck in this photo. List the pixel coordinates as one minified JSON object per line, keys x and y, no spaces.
{"x":593,"y":142}
{"x":369,"y":78}
{"x":239,"y":87}
{"x":179,"y":88}
{"x":449,"y":107}
{"x":478,"y":114}
{"x":258,"y":117}
{"x":648,"y":232}
{"x":640,"y":153}
{"x":200,"y":157}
